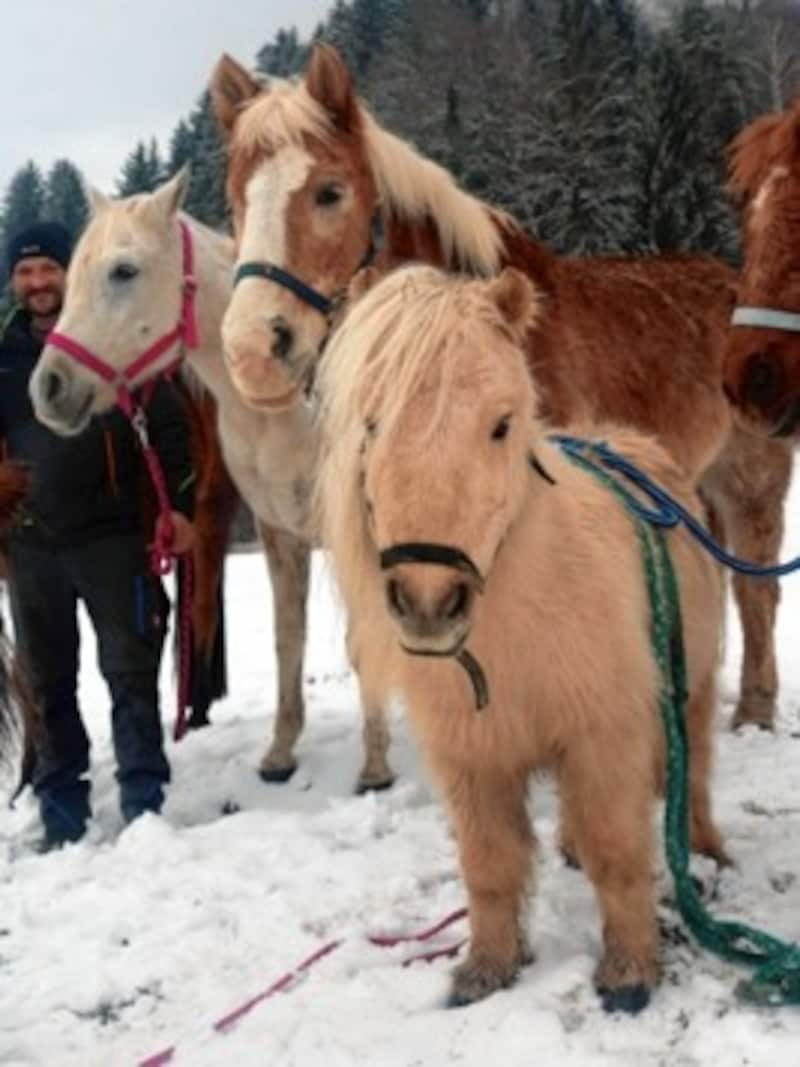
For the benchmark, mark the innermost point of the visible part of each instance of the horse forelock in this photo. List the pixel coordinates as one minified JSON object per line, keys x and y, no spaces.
{"x":407,"y":336}
{"x":283,"y":115}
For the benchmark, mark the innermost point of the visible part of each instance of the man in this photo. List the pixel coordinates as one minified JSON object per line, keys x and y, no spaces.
{"x":81,"y":537}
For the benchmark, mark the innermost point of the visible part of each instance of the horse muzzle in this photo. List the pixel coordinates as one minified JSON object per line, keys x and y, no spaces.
{"x":266,"y":365}
{"x":61,"y":401}
{"x":433,"y":607}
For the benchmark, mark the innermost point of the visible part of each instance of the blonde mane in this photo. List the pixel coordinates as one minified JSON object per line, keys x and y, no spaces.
{"x":410,"y":186}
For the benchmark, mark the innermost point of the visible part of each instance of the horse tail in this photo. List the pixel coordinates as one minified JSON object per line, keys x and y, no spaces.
{"x":216,"y":501}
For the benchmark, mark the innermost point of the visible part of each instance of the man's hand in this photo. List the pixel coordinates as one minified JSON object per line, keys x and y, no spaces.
{"x":183,"y":534}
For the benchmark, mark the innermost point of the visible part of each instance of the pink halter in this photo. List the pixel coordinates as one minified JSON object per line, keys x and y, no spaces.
{"x":185,"y":332}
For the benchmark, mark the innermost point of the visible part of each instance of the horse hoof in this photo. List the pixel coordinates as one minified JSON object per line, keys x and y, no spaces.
{"x":230,"y":807}
{"x":277,"y":775}
{"x":761,"y":715}
{"x":457,"y":1000}
{"x":377,"y":785}
{"x":628,"y":998}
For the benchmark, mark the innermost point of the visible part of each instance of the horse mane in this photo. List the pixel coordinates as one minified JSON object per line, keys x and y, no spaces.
{"x":410,"y":186}
{"x":769,"y":142}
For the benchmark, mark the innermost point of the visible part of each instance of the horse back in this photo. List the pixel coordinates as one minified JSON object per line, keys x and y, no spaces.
{"x":637,"y":340}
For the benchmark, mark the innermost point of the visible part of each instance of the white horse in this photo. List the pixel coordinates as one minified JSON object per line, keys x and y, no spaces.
{"x":124,"y":291}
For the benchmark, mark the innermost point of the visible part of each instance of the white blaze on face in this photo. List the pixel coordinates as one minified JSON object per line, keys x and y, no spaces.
{"x":266,"y":202}
{"x":763,"y":194}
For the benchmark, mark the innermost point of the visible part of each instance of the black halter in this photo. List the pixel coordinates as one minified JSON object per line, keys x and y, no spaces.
{"x":325,"y":305}
{"x":430,"y":552}
{"x":269,"y":272}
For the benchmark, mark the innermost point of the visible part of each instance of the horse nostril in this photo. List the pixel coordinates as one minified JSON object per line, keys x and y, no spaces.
{"x":53,"y":387}
{"x":398,"y":601}
{"x":455,"y":604}
{"x":282,"y":339}
{"x":763,"y":381}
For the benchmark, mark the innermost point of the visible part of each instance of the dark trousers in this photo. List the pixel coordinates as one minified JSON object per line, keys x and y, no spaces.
{"x":128,"y":609}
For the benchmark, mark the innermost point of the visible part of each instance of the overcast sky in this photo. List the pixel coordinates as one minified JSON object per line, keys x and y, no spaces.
{"x":86,"y":79}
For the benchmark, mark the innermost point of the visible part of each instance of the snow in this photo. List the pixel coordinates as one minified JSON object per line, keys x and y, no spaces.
{"x":139,"y":938}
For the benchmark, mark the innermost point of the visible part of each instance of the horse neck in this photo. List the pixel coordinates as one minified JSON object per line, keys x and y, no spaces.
{"x":418,"y":240}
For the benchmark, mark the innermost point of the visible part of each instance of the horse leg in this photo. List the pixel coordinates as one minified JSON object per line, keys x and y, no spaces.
{"x":376,"y":773}
{"x":496,"y":846}
{"x":705,"y":837}
{"x":288,"y":560}
{"x":756,"y":531}
{"x":750,"y":482}
{"x":610,"y":805}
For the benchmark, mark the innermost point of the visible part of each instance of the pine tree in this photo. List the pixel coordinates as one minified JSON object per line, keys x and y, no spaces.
{"x":206,"y":196}
{"x":142,"y":171}
{"x":283,"y":56}
{"x":24,"y":200}
{"x":65,"y":200}
{"x":181,"y":147}
{"x":697,"y":94}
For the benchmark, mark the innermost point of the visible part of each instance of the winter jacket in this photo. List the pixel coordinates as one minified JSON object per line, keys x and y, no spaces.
{"x":91,"y":485}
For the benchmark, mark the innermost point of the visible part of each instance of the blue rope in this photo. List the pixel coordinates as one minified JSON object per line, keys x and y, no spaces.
{"x":668,"y":512}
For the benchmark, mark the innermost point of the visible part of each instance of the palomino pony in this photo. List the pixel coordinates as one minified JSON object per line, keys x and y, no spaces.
{"x":455,"y":524}
{"x":124,"y":286}
{"x":762,"y":369}
{"x":318,"y":189}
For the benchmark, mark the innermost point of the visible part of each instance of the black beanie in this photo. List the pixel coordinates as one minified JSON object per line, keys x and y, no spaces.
{"x":49,"y":239}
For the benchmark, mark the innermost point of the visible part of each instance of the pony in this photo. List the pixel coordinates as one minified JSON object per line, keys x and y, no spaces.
{"x":455,"y":524}
{"x":319,"y":190}
{"x":762,"y":360}
{"x":124,"y":286}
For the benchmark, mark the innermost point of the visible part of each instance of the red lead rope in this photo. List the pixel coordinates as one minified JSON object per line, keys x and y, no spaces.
{"x":290,"y":977}
{"x":161,"y":562}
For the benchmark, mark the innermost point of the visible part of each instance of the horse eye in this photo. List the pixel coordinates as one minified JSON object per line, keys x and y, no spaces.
{"x":123,"y":272}
{"x":500,"y":432}
{"x":328,"y":195}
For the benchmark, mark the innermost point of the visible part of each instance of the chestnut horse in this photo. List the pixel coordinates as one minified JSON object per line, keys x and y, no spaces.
{"x":762,"y":368}
{"x":271,"y":456}
{"x":318,"y":189}
{"x":457,"y":527}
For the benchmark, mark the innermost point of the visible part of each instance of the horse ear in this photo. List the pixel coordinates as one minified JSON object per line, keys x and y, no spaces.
{"x":169,"y":197}
{"x":517,"y":300}
{"x":231,"y":88}
{"x":96,"y":200}
{"x":328,"y":81}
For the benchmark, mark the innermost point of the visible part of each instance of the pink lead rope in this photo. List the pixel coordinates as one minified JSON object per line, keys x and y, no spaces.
{"x":290,"y":977}
{"x":185,"y":334}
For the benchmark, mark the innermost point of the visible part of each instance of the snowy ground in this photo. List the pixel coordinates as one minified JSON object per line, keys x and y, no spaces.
{"x":141,"y":938}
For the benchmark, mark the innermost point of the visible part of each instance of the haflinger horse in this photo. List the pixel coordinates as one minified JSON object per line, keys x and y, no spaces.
{"x":318,"y":190}
{"x":124,"y":289}
{"x":455,"y":524}
{"x":762,"y":368}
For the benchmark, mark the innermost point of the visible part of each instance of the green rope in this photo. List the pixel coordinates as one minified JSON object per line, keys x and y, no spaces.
{"x":776,"y":979}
